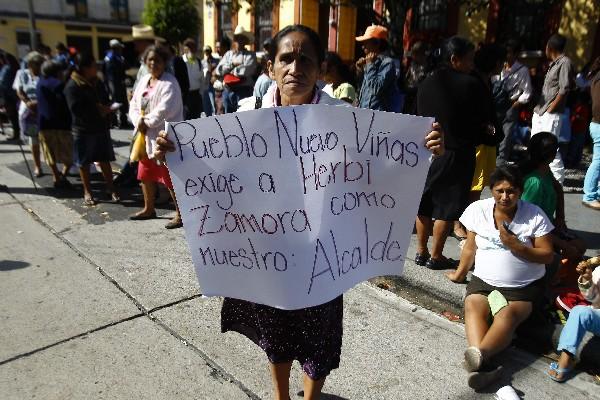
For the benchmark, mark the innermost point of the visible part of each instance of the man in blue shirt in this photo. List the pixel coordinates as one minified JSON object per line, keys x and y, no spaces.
{"x":114,"y":74}
{"x":379,"y":73}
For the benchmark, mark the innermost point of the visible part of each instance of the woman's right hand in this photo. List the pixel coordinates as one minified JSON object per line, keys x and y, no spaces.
{"x":163,"y":146}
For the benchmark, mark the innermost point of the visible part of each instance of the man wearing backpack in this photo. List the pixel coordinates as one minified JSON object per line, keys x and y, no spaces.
{"x":559,"y":79}
{"x":515,"y":88}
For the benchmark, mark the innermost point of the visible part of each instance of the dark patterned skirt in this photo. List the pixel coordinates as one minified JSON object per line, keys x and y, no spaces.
{"x":313,"y":336}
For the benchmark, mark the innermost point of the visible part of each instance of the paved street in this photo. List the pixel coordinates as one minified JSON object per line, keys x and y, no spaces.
{"x":94,"y":306}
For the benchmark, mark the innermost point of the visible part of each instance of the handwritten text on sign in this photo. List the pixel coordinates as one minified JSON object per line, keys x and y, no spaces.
{"x":290,"y":207}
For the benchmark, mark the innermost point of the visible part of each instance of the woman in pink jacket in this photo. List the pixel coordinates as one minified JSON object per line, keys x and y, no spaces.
{"x":157,"y":98}
{"x":581,"y":319}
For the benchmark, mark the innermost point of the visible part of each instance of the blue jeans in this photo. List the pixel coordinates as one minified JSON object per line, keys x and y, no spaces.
{"x":591,"y":191}
{"x":581,"y":319}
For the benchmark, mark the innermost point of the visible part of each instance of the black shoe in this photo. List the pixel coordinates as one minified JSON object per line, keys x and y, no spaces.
{"x":142,"y":217}
{"x":421,"y":259}
{"x":445,"y":263}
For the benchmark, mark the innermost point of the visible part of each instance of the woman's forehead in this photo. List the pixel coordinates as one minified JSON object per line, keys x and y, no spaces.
{"x":296,"y":42}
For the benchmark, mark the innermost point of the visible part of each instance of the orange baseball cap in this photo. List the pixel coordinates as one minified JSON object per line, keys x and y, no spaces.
{"x":374,"y":32}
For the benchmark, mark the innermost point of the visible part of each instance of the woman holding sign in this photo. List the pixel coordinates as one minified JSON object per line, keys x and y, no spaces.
{"x":157,"y":98}
{"x":313,"y":336}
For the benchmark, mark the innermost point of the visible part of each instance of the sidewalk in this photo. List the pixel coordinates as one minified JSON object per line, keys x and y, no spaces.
{"x":92,"y":310}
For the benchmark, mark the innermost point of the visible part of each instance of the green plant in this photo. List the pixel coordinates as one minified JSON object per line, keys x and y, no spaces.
{"x":175,"y":20}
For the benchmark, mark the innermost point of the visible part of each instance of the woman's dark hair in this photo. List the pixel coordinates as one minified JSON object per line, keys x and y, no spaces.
{"x":51,"y":68}
{"x":507,"y":173}
{"x":313,"y":37}
{"x":159,"y":51}
{"x":541,"y":150}
{"x":84,"y":60}
{"x":488,"y":57}
{"x":456,"y":46}
{"x":513,"y":45}
{"x":334,"y":60}
{"x":190,"y":43}
{"x":557,"y":42}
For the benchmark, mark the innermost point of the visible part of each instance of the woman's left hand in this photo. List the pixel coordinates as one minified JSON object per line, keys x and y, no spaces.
{"x":510,"y":240}
{"x":434,"y":141}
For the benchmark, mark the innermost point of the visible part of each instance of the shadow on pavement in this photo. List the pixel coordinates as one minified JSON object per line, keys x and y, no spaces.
{"x":9,"y":265}
{"x":104,"y":211}
{"x":325,"y":396}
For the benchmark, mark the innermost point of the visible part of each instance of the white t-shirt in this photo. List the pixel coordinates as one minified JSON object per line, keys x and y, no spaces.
{"x":494,"y":263}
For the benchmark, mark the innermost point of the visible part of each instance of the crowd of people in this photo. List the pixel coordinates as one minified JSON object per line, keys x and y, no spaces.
{"x":481,"y":97}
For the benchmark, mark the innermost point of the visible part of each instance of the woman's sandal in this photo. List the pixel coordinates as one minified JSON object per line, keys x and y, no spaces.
{"x":89,"y":201}
{"x":560,"y":374}
{"x":114,"y":196}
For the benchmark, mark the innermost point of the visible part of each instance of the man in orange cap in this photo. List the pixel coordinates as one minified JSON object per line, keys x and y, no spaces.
{"x":379,"y":72}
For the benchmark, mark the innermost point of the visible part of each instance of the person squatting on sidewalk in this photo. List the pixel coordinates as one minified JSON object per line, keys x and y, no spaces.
{"x":581,"y":319}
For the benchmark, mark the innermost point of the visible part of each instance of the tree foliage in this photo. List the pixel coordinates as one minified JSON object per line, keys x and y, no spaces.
{"x":175,"y":20}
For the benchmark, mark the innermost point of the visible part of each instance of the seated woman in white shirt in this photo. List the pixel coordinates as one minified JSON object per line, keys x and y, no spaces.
{"x":509,"y":260}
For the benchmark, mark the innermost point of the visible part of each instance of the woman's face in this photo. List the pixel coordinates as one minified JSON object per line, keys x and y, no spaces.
{"x":155,"y":64}
{"x":296,"y":67}
{"x":506,"y":195}
{"x":465,"y":63}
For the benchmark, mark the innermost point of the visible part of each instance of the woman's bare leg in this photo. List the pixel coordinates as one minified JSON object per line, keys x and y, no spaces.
{"x":37,"y":161}
{"x":84,"y":173}
{"x":149,"y":190}
{"x":506,"y":321}
{"x":423,"y":225}
{"x":440,"y":234}
{"x":477,"y":311}
{"x":280,"y":374}
{"x":177,"y":213}
{"x":107,"y":175}
{"x":312,"y":388}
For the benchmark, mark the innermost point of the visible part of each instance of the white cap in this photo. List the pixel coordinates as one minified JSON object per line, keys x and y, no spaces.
{"x":115,"y":43}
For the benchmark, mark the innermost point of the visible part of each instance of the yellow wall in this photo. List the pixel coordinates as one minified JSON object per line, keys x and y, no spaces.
{"x":51,"y":32}
{"x":286,"y":13}
{"x":209,"y":15}
{"x":245,"y":16}
{"x":310,"y":14}
{"x":579,"y":21}
{"x":346,"y":32}
{"x":473,"y":27}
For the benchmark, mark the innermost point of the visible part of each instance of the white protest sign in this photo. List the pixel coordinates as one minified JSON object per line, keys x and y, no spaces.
{"x":292,"y":206}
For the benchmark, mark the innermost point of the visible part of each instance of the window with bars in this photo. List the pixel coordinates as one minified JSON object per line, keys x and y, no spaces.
{"x":119,"y":10}
{"x":523,"y":20}
{"x":263,"y":26}
{"x":224,"y":21}
{"x":431,"y":15}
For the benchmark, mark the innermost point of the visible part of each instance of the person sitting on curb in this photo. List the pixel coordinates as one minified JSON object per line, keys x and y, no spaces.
{"x":509,"y":241}
{"x":581,"y":319}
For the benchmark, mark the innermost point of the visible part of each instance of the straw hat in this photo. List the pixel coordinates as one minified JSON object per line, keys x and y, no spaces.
{"x":374,"y":32}
{"x":241,"y":31}
{"x":142,"y":32}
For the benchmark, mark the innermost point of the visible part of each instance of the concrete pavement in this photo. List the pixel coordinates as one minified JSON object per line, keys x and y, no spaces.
{"x":91,"y":310}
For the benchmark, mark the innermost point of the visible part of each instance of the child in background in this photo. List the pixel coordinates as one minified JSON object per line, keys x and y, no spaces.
{"x":581,"y":319}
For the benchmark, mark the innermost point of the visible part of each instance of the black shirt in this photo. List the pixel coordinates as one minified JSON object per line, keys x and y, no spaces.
{"x":456,"y":101}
